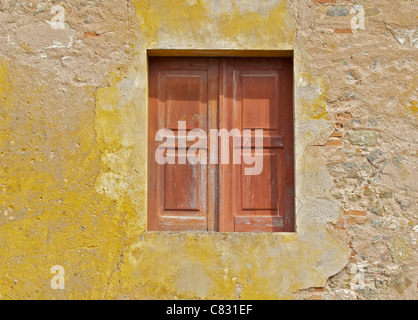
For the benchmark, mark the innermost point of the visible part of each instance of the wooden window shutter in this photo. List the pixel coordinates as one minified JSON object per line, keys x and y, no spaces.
{"x":181,"y":197}
{"x":258,"y":94}
{"x":226,"y":93}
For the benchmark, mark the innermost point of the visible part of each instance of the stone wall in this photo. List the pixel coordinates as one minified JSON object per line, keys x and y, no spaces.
{"x":73,"y":145}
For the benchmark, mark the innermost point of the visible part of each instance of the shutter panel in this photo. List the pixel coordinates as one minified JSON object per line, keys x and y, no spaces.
{"x":181,"y":197}
{"x":258,"y":94}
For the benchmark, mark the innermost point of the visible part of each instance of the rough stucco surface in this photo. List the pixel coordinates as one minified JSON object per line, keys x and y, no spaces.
{"x":73,"y":131}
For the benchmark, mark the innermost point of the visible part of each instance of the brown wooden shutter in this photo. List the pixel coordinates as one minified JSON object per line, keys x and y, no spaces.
{"x":258,"y":94}
{"x":181,"y":197}
{"x":252,"y":94}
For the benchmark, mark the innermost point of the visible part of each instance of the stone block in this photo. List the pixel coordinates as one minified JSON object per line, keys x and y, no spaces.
{"x":366,"y":138}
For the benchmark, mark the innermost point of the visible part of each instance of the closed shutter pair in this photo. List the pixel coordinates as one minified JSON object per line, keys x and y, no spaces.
{"x":233,"y":95}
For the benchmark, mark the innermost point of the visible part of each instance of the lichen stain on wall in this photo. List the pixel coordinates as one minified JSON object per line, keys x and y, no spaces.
{"x":50,"y":211}
{"x":240,"y":24}
{"x":167,"y":266}
{"x":313,"y":100}
{"x":4,"y":88}
{"x":192,"y":265}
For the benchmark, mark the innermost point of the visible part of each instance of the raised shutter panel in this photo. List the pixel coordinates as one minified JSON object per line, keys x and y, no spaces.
{"x":179,"y":197}
{"x":258,"y":94}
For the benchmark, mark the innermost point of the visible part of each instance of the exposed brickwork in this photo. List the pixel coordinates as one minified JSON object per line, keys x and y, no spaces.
{"x":370,"y":153}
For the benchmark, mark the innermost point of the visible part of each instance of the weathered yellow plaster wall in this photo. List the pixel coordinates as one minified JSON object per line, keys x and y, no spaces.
{"x":73,"y":154}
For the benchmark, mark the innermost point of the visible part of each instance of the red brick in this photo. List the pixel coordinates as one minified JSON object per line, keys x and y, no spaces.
{"x":356,"y":220}
{"x":91,"y":34}
{"x":334,"y":142}
{"x":343,"y":117}
{"x":343,"y":31}
{"x":356,"y":213}
{"x":337,"y":134}
{"x":316,"y":297}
